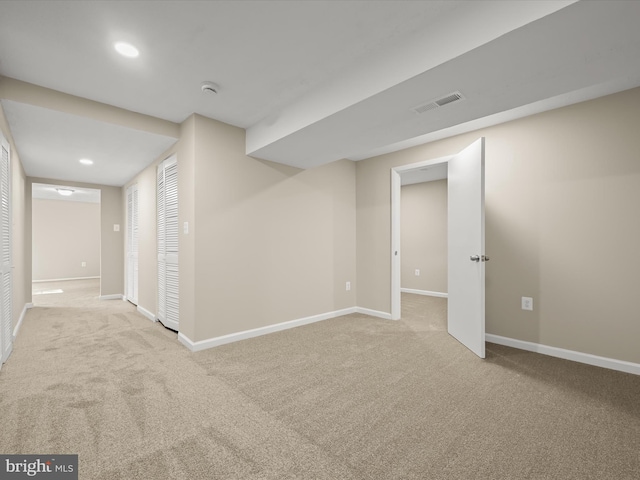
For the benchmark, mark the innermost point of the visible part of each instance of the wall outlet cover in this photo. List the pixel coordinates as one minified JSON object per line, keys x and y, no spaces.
{"x":527,"y":303}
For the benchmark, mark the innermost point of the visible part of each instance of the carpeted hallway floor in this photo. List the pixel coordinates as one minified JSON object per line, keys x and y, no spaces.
{"x":349,"y":398}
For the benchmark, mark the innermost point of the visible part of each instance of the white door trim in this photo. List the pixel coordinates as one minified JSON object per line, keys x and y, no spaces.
{"x":396,"y":253}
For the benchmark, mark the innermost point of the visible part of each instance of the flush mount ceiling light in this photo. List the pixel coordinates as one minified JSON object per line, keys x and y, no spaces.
{"x":126,"y":49}
{"x":209,"y":88}
{"x":65,"y":192}
{"x":86,"y":161}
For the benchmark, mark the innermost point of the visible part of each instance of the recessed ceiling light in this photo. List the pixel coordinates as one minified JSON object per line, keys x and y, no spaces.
{"x":65,"y":192}
{"x":86,"y":161}
{"x":126,"y":49}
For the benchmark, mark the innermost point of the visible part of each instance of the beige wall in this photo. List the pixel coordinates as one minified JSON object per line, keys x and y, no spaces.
{"x":111,"y":242}
{"x":186,"y":152}
{"x":272,"y":243}
{"x":65,"y":234}
{"x":562,"y":194}
{"x":424,"y":236}
{"x":21,"y":255}
{"x":266,"y":243}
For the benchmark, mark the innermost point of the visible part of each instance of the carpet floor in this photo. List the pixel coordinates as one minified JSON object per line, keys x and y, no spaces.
{"x":354,"y":397}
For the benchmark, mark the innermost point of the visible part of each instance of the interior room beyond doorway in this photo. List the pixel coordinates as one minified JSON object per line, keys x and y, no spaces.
{"x":65,"y":243}
{"x":424,"y":238}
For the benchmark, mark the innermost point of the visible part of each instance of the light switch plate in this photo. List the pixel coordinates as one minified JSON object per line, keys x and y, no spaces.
{"x":116,"y":227}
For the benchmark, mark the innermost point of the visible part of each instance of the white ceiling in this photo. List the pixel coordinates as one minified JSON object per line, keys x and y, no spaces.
{"x":52,"y":143}
{"x":263,"y":54}
{"x":49,"y":192}
{"x":311,"y":81}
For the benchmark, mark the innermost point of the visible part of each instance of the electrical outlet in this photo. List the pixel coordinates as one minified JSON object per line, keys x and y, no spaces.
{"x":83,"y":264}
{"x":348,"y":286}
{"x":527,"y":303}
{"x":417,"y":272}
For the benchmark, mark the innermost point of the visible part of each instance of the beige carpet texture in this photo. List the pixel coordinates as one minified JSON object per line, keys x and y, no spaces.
{"x":349,"y":398}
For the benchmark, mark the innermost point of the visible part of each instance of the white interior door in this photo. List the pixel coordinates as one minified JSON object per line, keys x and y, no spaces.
{"x":466,"y":282}
{"x":6,"y":311}
{"x":168,"y":279}
{"x":132,"y":244}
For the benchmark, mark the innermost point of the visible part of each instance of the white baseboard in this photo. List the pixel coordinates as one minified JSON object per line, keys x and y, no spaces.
{"x":235,"y":337}
{"x":115,"y":296}
{"x":425,"y":292}
{"x":373,"y":313}
{"x":605,"y":362}
{"x":63,"y":279}
{"x":147,"y":313}
{"x":26,"y":307}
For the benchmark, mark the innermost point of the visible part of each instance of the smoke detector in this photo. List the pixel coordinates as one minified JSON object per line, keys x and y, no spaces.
{"x":209,"y":88}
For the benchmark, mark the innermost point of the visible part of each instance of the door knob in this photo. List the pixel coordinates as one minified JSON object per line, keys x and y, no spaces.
{"x":475,"y":258}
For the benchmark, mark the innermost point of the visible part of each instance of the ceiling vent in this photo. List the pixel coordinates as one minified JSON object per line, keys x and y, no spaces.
{"x":438,"y":102}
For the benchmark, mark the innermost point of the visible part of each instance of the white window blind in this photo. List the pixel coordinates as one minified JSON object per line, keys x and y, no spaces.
{"x":168,"y":279}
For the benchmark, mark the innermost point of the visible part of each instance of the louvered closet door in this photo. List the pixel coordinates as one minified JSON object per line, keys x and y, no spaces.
{"x":167,"y":189}
{"x":132,"y":244}
{"x":6,"y":338}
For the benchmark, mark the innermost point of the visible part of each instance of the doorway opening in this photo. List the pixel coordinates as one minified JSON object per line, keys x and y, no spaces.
{"x":421,"y":172}
{"x":424,"y":235}
{"x":465,"y":241}
{"x":65,"y":244}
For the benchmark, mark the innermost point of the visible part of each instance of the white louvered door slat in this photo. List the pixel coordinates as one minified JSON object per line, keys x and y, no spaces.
{"x":161,"y":244}
{"x":132,"y":244}
{"x":135,"y":241}
{"x":171,"y":245}
{"x":129,"y":230}
{"x":168,"y":238}
{"x":6,"y":335}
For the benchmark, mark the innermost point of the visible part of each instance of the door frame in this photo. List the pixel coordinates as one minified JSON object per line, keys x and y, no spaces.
{"x":396,"y":264}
